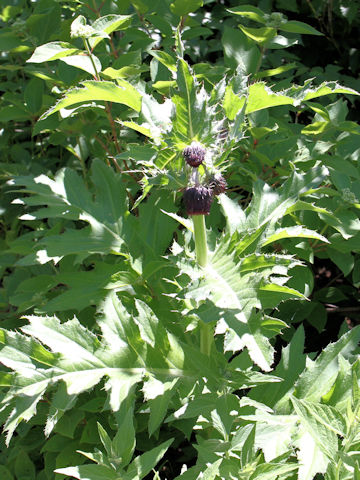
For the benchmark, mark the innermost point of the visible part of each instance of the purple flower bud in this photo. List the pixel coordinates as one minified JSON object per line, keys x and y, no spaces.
{"x":198,"y":200}
{"x":217,"y":183}
{"x":194,"y":154}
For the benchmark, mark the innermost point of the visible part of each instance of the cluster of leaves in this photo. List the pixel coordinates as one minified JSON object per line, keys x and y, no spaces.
{"x":103,"y":300}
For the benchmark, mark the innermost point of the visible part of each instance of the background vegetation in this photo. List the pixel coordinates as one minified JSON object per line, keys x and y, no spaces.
{"x":110,"y":365}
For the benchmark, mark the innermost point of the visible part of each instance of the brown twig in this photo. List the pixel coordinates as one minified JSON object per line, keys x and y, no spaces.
{"x":334,"y":309}
{"x":117,"y":166}
{"x":114,"y":51}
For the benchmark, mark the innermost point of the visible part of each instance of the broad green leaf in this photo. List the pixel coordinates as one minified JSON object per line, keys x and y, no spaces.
{"x":326,"y":88}
{"x":62,"y":402}
{"x":108,"y":24}
{"x":249,"y":11}
{"x":123,"y":444}
{"x":275,"y":71}
{"x":89,"y":472}
{"x":290,"y":366}
{"x":187,"y":223}
{"x":33,"y":95}
{"x":165,"y":58}
{"x":159,"y":405}
{"x":316,"y":128}
{"x":344,"y":221}
{"x":123,"y":93}
{"x":261,"y":96}
{"x":5,"y":473}
{"x":234,"y":214}
{"x":104,"y":438}
{"x":185,"y":108}
{"x":259,"y":35}
{"x":319,"y":375}
{"x":324,"y":415}
{"x":24,"y":467}
{"x":342,"y":389}
{"x":184,"y":7}
{"x":294,"y":232}
{"x":52,"y":51}
{"x":232,"y":103}
{"x":311,"y":458}
{"x":212,"y":471}
{"x":318,"y":426}
{"x":138,"y":128}
{"x":240,"y":52}
{"x":237,"y":294}
{"x":294,"y":26}
{"x":81,"y":359}
{"x":67,"y":196}
{"x":268,"y":205}
{"x":267,"y":262}
{"x":143,"y":464}
{"x":271,"y":471}
{"x":84,"y":63}
{"x":202,"y":405}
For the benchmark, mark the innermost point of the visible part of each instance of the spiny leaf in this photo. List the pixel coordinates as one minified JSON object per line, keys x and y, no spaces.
{"x":92,"y":91}
{"x":261,"y":96}
{"x":81,"y":359}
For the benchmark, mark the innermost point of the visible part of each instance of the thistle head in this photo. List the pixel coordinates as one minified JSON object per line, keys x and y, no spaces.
{"x":217,"y":184}
{"x":198,"y":200}
{"x":194,"y":154}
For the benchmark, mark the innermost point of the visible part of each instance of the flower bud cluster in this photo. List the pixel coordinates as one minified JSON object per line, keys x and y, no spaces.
{"x":198,"y":198}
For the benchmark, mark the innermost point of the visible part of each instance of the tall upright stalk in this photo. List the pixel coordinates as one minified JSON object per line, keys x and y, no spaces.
{"x":200,"y":240}
{"x":201,"y":250}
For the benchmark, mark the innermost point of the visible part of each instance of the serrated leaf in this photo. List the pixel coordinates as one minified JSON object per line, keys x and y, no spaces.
{"x":81,"y":360}
{"x":290,"y":366}
{"x":159,"y":406}
{"x":250,"y":335}
{"x":212,"y":471}
{"x":271,"y":471}
{"x":143,"y":464}
{"x":319,"y":376}
{"x":297,"y":231}
{"x":319,"y":426}
{"x":52,"y":51}
{"x":108,"y":24}
{"x":67,"y":196}
{"x":92,"y":91}
{"x":311,"y":459}
{"x":234,"y":214}
{"x":123,"y":444}
{"x":261,"y":96}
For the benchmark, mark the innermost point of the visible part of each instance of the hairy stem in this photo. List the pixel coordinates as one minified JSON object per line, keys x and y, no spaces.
{"x":200,"y":240}
{"x":201,"y":250}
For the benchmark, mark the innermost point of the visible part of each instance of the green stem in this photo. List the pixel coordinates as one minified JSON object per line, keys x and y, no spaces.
{"x":200,"y":240}
{"x":87,"y":46}
{"x":201,"y":250}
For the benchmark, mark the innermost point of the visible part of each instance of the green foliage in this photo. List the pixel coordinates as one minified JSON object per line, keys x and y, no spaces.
{"x":123,"y":355}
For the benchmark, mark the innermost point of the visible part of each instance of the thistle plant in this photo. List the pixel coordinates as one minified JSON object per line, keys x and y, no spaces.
{"x":143,"y":332}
